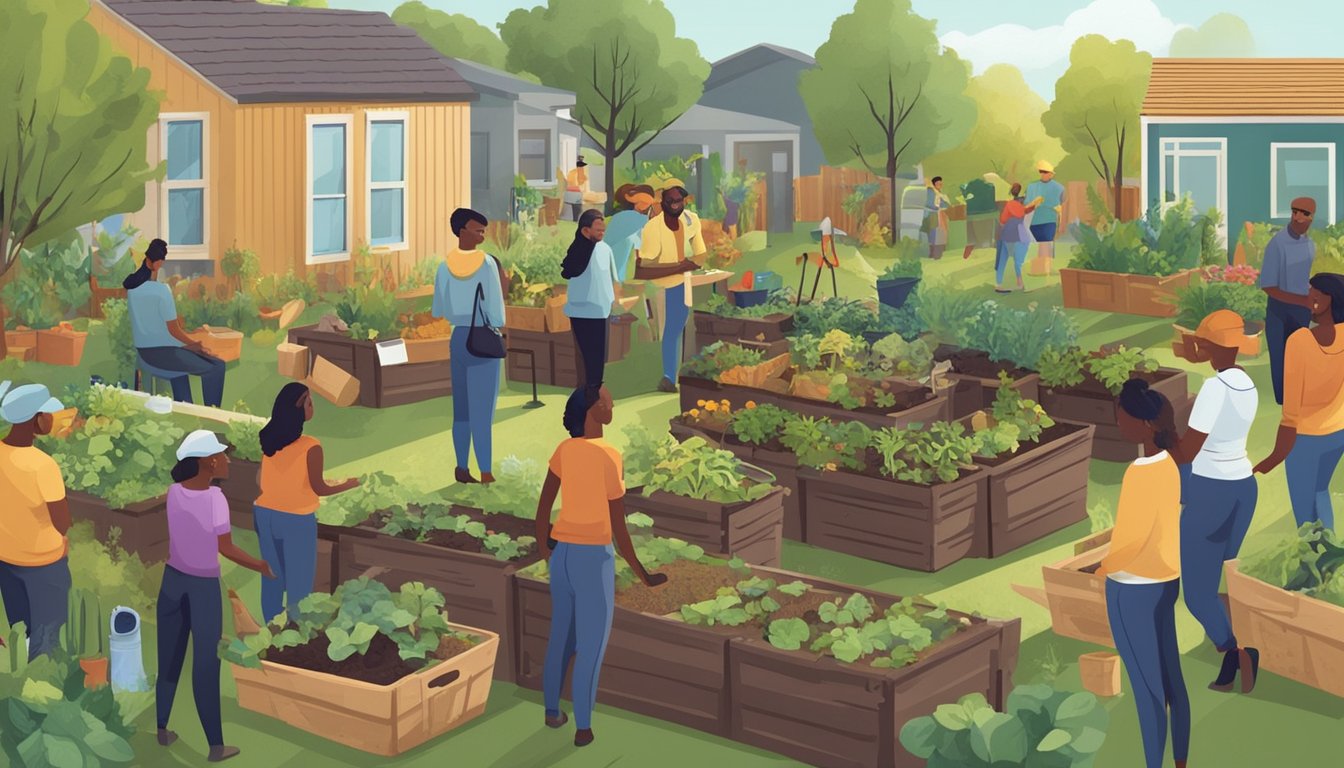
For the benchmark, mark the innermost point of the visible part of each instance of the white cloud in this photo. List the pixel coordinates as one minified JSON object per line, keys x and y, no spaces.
{"x":1047,"y":48}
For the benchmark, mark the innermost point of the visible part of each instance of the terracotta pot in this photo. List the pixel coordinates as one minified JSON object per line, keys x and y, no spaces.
{"x":95,"y":672}
{"x":1100,"y":672}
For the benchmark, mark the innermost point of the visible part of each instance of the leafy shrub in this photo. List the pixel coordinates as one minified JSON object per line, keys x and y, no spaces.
{"x":370,"y":312}
{"x":115,"y":259}
{"x":945,"y":308}
{"x":53,"y":720}
{"x":274,"y":291}
{"x":1308,"y":562}
{"x":778,"y":302}
{"x":532,"y":261}
{"x":895,"y":356}
{"x":1015,"y":420}
{"x":242,"y":268}
{"x":1018,"y":336}
{"x":1039,"y":726}
{"x":824,"y":444}
{"x":924,"y":454}
{"x":376,"y":492}
{"x":718,"y":357}
{"x":1254,"y":243}
{"x":1158,"y":245}
{"x":1113,"y":368}
{"x":693,"y":469}
{"x":52,"y":283}
{"x":1061,"y":366}
{"x":117,"y":320}
{"x":908,"y":262}
{"x":873,"y":233}
{"x":818,"y":317}
{"x":117,"y":576}
{"x":238,"y":311}
{"x":1197,"y":300}
{"x":244,"y":436}
{"x":759,"y":424}
{"x":858,"y":197}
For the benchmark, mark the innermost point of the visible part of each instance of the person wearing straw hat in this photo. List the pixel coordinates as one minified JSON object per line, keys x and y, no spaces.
{"x":1048,"y":195}
{"x":34,"y":569}
{"x":1220,"y":490}
{"x":190,"y":606}
{"x":662,"y":260}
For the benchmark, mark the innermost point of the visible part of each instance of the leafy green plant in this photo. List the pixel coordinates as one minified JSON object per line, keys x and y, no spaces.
{"x":1117,"y":366}
{"x":850,"y":630}
{"x":1061,"y":366}
{"x":1040,"y":726}
{"x":696,"y":470}
{"x":725,"y":610}
{"x":823,"y":444}
{"x":944,"y":308}
{"x":117,"y":320}
{"x":718,"y":357}
{"x":779,"y":302}
{"x":56,"y":721}
{"x":1179,"y":239}
{"x":1015,"y":420}
{"x":759,"y":425}
{"x":816,"y":318}
{"x":909,"y":262}
{"x":114,"y":251}
{"x":1197,"y":300}
{"x":244,"y":436}
{"x":274,"y":291}
{"x":515,"y":491}
{"x":924,"y":454}
{"x":1018,"y":336}
{"x":370,"y":312}
{"x":101,"y":566}
{"x":894,"y":356}
{"x":377,"y":491}
{"x":241,"y":268}
{"x":526,"y":198}
{"x":1308,"y":562}
{"x":1101,"y":516}
{"x":858,"y":197}
{"x":52,"y":283}
{"x":419,"y":523}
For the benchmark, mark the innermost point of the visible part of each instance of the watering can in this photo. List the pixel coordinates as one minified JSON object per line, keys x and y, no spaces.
{"x":127,"y":662}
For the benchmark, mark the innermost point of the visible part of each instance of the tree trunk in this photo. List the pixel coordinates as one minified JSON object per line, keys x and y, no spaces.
{"x":1119,"y":180}
{"x":609,"y":174}
{"x":4,"y":340}
{"x":895,"y":209}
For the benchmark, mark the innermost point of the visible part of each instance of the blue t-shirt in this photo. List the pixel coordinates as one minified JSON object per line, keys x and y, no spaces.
{"x":1052,"y":194}
{"x":623,"y":236}
{"x":151,"y":306}
{"x":1287,"y":264}
{"x":590,"y":294}
{"x":454,"y":296}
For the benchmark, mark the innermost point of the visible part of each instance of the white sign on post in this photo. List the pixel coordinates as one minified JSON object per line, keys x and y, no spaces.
{"x":391,"y":353}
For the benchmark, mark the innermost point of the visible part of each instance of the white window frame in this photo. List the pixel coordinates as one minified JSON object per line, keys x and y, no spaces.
{"x":310,"y":122}
{"x":1274,"y":148}
{"x":187,"y":252}
{"x":389,"y":116}
{"x":1176,"y":153}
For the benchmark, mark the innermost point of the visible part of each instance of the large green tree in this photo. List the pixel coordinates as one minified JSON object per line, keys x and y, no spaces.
{"x":622,"y":58}
{"x":1008,"y":138}
{"x":454,"y":35}
{"x":1095,"y":114}
{"x":73,"y":119}
{"x":885,"y":92}
{"x":1222,"y":36}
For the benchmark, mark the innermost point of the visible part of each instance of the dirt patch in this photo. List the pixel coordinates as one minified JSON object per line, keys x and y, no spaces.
{"x":381,"y":665}
{"x":974,"y":362}
{"x":1047,"y":436}
{"x":687,"y":582}
{"x":494,"y":523}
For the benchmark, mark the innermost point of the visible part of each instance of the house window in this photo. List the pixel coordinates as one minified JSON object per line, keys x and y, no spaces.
{"x":328,"y":184}
{"x":184,"y":140}
{"x":1194,"y":168}
{"x":480,"y":161}
{"x":534,"y":155}
{"x":1302,"y":170}
{"x":387,"y":179}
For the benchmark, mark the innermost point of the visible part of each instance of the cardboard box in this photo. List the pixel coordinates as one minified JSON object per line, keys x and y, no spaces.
{"x":292,"y":361}
{"x":62,"y":345}
{"x":428,"y":350}
{"x":26,"y":354}
{"x":333,"y":384}
{"x":556,"y":320}
{"x":223,"y":343}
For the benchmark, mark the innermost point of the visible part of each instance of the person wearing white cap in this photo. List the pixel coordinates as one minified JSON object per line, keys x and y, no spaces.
{"x":190,"y":606}
{"x":34,"y":570}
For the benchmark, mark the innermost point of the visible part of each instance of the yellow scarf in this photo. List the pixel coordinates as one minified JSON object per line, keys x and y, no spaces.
{"x":464,"y":264}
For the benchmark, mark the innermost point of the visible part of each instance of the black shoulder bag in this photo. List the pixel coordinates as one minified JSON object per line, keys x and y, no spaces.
{"x":483,"y":340}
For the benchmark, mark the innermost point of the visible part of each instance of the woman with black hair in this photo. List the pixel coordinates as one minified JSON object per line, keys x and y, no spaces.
{"x":291,"y":484}
{"x":1310,"y":440}
{"x":190,"y":605}
{"x":159,"y":337}
{"x":590,"y":268}
{"x":586,"y":472}
{"x":1143,"y":573}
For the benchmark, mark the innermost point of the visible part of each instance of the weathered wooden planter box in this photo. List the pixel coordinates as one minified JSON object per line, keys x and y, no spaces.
{"x":936,"y":408}
{"x":768,"y":334}
{"x":241,"y":488}
{"x":143,"y":524}
{"x":381,"y":719}
{"x":971,"y":392}
{"x":1040,"y":489}
{"x":1116,"y":292}
{"x":1075,"y":594}
{"x":1299,"y":637}
{"x":924,"y":528}
{"x":521,"y":366}
{"x":751,"y":530}
{"x":476,"y":586}
{"x":379,"y":387}
{"x":827,"y":713}
{"x":328,"y":558}
{"x":565,"y":355}
{"x":1098,"y":408}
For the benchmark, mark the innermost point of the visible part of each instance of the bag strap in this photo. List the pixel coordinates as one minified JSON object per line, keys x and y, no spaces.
{"x":476,"y":307}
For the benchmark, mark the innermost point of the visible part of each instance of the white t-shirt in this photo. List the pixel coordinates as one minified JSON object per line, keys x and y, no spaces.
{"x":1224,"y":410}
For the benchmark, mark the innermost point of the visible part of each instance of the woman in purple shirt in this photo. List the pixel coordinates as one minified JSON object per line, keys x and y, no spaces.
{"x":190,"y":605}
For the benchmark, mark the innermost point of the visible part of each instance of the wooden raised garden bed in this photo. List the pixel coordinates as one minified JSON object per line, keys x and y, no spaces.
{"x":975,"y":379}
{"x":143,"y":524}
{"x":379,"y":387}
{"x":475,"y":585}
{"x":555,"y":356}
{"x":1116,"y":292}
{"x":1040,"y":489}
{"x":914,"y":403}
{"x":241,"y":488}
{"x":768,"y":334}
{"x":1075,"y":594}
{"x":1299,"y":637}
{"x":751,"y":530}
{"x":921,"y":527}
{"x":381,"y":719}
{"x":1092,"y":403}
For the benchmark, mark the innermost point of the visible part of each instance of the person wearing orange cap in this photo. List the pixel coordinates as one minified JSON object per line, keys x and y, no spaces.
{"x":1220,"y":491}
{"x":1284,"y":275}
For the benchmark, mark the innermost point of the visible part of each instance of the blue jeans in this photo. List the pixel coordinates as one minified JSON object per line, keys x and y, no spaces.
{"x":1213,"y":526}
{"x":210,"y":369}
{"x":1309,"y":467}
{"x":1018,"y":252}
{"x":190,"y":607}
{"x":38,"y":596}
{"x":1143,"y":624}
{"x":675,"y":315}
{"x":475,"y":392}
{"x":583,"y":600}
{"x":289,"y":544}
{"x":1280,"y":321}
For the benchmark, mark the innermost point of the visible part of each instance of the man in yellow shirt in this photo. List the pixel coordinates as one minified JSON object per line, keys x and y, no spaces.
{"x":661,"y":259}
{"x":34,"y":572}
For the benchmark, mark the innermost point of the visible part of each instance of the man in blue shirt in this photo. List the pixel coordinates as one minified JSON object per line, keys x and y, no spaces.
{"x":1284,"y":275}
{"x":1048,"y":195}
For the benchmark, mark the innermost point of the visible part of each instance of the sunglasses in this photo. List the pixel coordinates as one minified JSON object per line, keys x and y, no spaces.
{"x":1308,"y":214}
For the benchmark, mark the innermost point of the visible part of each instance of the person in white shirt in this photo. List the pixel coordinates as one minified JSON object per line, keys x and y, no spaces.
{"x":1220,"y":490}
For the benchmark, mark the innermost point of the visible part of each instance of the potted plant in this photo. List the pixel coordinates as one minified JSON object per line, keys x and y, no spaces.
{"x":1235,"y":288}
{"x":83,"y":606}
{"x":899,"y":279}
{"x":375,"y":670}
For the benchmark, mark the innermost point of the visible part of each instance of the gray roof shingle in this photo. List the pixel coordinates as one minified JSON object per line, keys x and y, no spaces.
{"x":274,"y":54}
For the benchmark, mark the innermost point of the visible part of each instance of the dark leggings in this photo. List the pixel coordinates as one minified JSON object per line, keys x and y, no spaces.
{"x":590,"y":340}
{"x":190,"y":606}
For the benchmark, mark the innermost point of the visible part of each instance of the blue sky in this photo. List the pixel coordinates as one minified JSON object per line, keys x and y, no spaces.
{"x":1034,"y":35}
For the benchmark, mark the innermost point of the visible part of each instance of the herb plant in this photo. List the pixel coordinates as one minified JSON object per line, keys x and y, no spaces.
{"x":53,"y":720}
{"x":370,"y":311}
{"x":1061,"y":366}
{"x":780,"y":302}
{"x":908,"y":261}
{"x":1115,"y":367}
{"x":1308,"y":562}
{"x":377,"y":491}
{"x":718,"y":357}
{"x":244,"y":436}
{"x":924,"y":454}
{"x":1018,"y":336}
{"x":944,"y":309}
{"x":760,"y":424}
{"x":1201,"y":297}
{"x":696,"y":470}
{"x":1015,"y":420}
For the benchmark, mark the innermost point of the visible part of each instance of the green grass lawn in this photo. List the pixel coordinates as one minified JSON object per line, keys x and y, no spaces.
{"x":413,"y":443}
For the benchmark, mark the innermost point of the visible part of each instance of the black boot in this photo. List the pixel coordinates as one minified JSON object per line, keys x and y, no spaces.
{"x":1227,"y":674}
{"x":1250,"y":668}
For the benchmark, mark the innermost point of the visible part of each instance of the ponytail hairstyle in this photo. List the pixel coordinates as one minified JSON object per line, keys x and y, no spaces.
{"x":1152,"y":407}
{"x":287,"y":417}
{"x":581,"y":250}
{"x":185,"y":469}
{"x":576,"y":409}
{"x":157,"y":251}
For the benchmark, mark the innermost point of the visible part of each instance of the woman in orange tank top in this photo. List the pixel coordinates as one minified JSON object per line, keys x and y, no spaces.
{"x":291,"y":486}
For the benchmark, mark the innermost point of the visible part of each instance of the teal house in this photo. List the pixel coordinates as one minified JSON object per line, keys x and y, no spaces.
{"x":1245,"y":136}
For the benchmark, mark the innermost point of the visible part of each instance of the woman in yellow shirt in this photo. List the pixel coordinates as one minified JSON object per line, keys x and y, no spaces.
{"x":291,"y":483}
{"x":1143,"y":573}
{"x":586,"y":471}
{"x":1311,"y":433}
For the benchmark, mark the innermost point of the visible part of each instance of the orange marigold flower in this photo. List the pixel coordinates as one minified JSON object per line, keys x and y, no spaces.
{"x":695,"y":412}
{"x":700,"y":403}
{"x":751,"y":404}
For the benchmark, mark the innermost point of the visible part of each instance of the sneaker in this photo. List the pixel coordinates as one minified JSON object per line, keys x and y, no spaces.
{"x":666,"y":385}
{"x":221,"y":753}
{"x":166,"y":737}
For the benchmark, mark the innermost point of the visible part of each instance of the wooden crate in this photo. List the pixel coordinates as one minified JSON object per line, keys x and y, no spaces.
{"x":379,"y":387}
{"x":691,"y":390}
{"x":1075,"y":594}
{"x":752,"y":530}
{"x":1040,"y":490}
{"x":143,"y":524}
{"x":1299,"y":637}
{"x":380,"y":719}
{"x":519,"y":366}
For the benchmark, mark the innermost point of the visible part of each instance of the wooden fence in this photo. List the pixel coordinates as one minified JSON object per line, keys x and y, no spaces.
{"x":822,"y":195}
{"x":1077,"y":208}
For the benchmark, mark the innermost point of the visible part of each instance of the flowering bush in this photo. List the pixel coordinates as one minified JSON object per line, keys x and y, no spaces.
{"x":1232,"y":273}
{"x":711,"y":415}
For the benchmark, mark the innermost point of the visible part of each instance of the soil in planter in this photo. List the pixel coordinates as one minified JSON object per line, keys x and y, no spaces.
{"x":381,"y":665}
{"x":687,"y":582}
{"x":973,"y":362}
{"x":462,"y":542}
{"x":1048,"y":435}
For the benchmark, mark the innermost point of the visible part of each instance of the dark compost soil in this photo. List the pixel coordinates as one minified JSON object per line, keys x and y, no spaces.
{"x":381,"y":665}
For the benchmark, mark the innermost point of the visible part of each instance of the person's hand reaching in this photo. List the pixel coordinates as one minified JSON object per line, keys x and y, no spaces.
{"x":654,"y":579}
